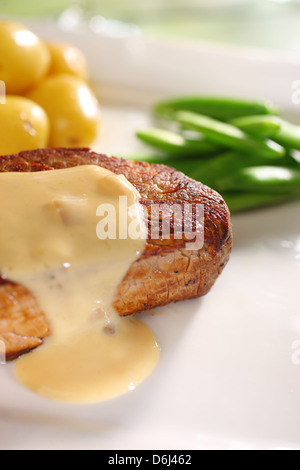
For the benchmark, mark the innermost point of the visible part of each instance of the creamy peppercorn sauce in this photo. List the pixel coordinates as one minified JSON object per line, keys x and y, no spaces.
{"x":52,"y":243}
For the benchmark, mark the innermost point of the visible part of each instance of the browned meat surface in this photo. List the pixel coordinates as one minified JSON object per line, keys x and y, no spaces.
{"x":166,"y":272}
{"x":22,"y":323}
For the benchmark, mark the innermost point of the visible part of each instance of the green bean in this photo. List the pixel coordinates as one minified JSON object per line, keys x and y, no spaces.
{"x":229,"y":136}
{"x":290,"y":160}
{"x":199,"y":170}
{"x":215,"y":167}
{"x":258,"y":126}
{"x":238,"y":202}
{"x":222,"y":165}
{"x":221,"y":108}
{"x":207,"y":169}
{"x":211,"y":169}
{"x":265,"y":179}
{"x":288,"y":135}
{"x":174,"y":143}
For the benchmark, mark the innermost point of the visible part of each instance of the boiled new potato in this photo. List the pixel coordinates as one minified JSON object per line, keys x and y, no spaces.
{"x":24,"y":58}
{"x":66,"y":58}
{"x":24,"y":125}
{"x":72,"y":109}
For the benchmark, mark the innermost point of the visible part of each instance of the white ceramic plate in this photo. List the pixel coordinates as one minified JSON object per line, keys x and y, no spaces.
{"x":229,"y":374}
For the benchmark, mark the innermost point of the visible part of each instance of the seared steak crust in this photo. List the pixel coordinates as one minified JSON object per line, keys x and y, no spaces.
{"x":22,"y":323}
{"x":166,"y":272}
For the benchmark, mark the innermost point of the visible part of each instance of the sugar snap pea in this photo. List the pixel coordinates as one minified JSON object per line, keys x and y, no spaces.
{"x":288,"y":135}
{"x":247,"y":152}
{"x":238,"y":201}
{"x":208,"y":169}
{"x":229,"y":136}
{"x":222,"y":108}
{"x":214,"y":168}
{"x":220,"y":166}
{"x":174,"y":143}
{"x":265,"y":179}
{"x":258,"y":126}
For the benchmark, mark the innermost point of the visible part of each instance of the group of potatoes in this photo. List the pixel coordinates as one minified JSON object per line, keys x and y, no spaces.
{"x":45,"y":99}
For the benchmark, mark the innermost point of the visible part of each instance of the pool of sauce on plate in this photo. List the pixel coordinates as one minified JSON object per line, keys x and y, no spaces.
{"x":49,"y":243}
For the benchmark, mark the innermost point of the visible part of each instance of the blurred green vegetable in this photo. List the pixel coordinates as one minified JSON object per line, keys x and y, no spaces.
{"x":220,"y":108}
{"x":269,"y":179}
{"x":288,"y":135}
{"x":229,"y":136}
{"x":240,"y":202}
{"x":171,"y":142}
{"x":240,"y":148}
{"x":258,"y":126}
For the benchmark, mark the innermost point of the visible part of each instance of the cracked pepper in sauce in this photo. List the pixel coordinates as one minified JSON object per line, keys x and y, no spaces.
{"x":53,"y":242}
